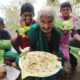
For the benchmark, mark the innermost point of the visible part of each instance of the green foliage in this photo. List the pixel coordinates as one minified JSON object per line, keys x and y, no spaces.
{"x":77,"y":1}
{"x":52,"y":2}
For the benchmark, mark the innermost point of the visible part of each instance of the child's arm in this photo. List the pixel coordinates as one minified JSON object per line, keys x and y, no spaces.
{"x":75,"y":35}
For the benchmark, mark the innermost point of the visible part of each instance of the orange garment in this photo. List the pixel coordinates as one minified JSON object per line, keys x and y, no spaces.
{"x":23,"y":40}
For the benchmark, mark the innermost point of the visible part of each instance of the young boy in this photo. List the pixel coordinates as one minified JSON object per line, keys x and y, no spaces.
{"x":27,"y":14}
{"x":65,"y":10}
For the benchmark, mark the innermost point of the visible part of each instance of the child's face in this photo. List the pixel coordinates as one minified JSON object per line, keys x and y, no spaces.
{"x":65,"y":11}
{"x":27,"y":17}
{"x":1,"y":27}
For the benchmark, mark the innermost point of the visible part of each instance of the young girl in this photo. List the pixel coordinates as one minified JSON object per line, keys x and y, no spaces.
{"x":65,"y":10}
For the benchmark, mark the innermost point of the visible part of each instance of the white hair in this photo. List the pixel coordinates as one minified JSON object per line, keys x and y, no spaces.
{"x":46,"y":11}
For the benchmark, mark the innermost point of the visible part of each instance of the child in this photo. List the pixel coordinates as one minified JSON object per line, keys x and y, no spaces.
{"x":4,"y":35}
{"x":27,"y":14}
{"x":65,"y":10}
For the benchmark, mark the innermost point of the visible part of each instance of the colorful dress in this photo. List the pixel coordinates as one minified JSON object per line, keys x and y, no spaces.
{"x":22,"y":40}
{"x":65,"y":38}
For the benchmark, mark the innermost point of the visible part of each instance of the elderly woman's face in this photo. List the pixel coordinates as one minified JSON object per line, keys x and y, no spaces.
{"x":46,"y":24}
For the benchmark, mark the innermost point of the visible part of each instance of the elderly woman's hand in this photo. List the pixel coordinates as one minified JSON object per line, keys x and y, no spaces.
{"x":25,"y":50}
{"x":59,"y":58}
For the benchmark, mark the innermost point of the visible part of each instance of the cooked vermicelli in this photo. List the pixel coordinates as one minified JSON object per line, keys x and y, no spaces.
{"x":37,"y":62}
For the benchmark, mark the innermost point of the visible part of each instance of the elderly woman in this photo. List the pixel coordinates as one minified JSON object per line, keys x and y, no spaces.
{"x":43,"y":36}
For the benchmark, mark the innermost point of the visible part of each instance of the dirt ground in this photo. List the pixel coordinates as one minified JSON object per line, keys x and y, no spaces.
{"x":75,"y":75}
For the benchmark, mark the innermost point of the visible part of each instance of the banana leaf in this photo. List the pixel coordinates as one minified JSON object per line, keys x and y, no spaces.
{"x":1,"y":56}
{"x":5,"y":44}
{"x":58,"y":23}
{"x":24,"y":30}
{"x":74,"y":51}
{"x":64,"y":25}
{"x":15,"y":26}
{"x":21,"y":30}
{"x":69,"y":24}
